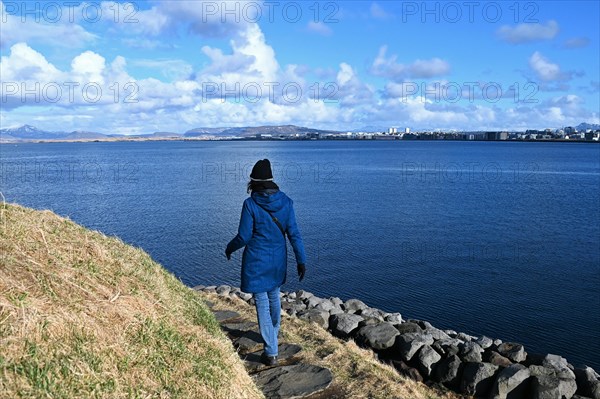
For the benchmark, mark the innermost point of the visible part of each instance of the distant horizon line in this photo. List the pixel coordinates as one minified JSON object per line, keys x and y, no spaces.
{"x":220,"y":129}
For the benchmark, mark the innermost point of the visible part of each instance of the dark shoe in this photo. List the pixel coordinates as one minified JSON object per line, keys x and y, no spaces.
{"x":268,"y":360}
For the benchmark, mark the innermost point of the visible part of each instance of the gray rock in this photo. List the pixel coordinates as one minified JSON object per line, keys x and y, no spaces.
{"x":286,"y":355}
{"x":559,"y":364}
{"x":301,"y":294}
{"x":344,"y":324}
{"x":513,"y":351}
{"x":470,"y":351}
{"x":511,"y":383}
{"x":394,"y":318}
{"x":552,"y":387}
{"x":372,"y":313}
{"x":451,"y":333}
{"x":440,"y":349}
{"x":498,"y":359}
{"x":223,"y":290}
{"x":222,"y":315}
{"x":368,"y":321}
{"x":420,"y":323}
{"x":336,"y":301}
{"x":587,"y":382}
{"x":210,"y":288}
{"x":249,"y":341}
{"x":379,"y":336}
{"x":555,"y":361}
{"x":288,"y":308}
{"x":317,"y":316}
{"x":547,"y":384}
{"x":464,"y":337}
{"x":299,"y":306}
{"x":335,"y":311}
{"x":484,"y":342}
{"x":313,"y":301}
{"x":408,"y":327}
{"x":238,"y":328}
{"x":326,"y":305}
{"x":427,"y":357}
{"x":199,"y":288}
{"x":497,"y":343}
{"x":436,"y":333}
{"x":448,"y":346}
{"x":291,"y":295}
{"x":354,"y":305}
{"x":408,"y":344}
{"x":448,"y":371}
{"x":478,"y":378}
{"x":296,"y":381}
{"x":245,"y":296}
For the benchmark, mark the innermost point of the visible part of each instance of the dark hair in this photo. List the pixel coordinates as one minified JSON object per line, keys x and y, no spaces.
{"x":254,"y":185}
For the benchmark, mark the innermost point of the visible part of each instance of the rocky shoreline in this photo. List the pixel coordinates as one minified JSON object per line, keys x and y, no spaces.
{"x":478,"y":366}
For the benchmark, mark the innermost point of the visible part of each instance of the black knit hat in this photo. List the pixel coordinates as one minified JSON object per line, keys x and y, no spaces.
{"x":262,"y":171}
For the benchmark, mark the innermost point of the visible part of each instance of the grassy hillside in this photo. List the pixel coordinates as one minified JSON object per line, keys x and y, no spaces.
{"x":83,"y":315}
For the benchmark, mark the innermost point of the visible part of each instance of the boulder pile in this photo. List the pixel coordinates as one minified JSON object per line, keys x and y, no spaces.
{"x":479,"y":366}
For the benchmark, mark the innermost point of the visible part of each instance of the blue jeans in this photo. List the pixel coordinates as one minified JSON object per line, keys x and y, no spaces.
{"x":268,"y":311}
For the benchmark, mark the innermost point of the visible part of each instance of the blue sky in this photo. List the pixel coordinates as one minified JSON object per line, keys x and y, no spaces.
{"x":145,"y":66}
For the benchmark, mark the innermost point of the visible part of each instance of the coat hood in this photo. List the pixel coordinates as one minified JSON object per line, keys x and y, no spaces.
{"x":271,"y":201}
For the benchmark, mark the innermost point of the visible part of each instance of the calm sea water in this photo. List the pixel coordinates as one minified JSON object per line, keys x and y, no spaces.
{"x":493,"y":238}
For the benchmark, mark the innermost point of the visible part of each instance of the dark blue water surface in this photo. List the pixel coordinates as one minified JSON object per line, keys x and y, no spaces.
{"x":493,"y":238}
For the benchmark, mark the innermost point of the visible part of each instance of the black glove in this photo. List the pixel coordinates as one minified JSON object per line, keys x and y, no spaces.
{"x":301,"y":271}
{"x":228,"y":254}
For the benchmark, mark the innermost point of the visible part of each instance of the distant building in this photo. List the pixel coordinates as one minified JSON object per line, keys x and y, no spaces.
{"x":393,"y":130}
{"x":570,"y":130}
{"x":407,"y":130}
{"x":496,"y":135}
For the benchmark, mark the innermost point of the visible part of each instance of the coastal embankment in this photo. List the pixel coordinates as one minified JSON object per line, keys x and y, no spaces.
{"x":85,"y":315}
{"x":482,"y":367}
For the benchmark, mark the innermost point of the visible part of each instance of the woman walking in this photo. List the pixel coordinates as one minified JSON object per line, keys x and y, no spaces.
{"x":267,"y":217}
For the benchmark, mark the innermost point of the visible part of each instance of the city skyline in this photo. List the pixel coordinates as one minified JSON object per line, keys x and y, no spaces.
{"x":175,"y":66}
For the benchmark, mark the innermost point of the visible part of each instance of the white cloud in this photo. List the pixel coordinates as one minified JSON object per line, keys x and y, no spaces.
{"x":349,"y":90}
{"x":389,"y":67}
{"x":546,"y":70}
{"x":528,"y":32}
{"x":89,"y":82}
{"x":345,"y":74}
{"x":25,"y":64}
{"x":251,"y":62}
{"x":170,"y":69}
{"x":89,"y":67}
{"x":319,"y":28}
{"x":203,"y":18}
{"x":576,"y":42}
{"x":61,"y":33}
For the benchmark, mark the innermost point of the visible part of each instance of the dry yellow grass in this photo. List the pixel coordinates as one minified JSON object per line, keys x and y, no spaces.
{"x":83,"y":315}
{"x":357,"y":373}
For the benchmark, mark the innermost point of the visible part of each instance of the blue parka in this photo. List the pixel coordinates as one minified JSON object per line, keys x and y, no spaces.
{"x":264,"y":261}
